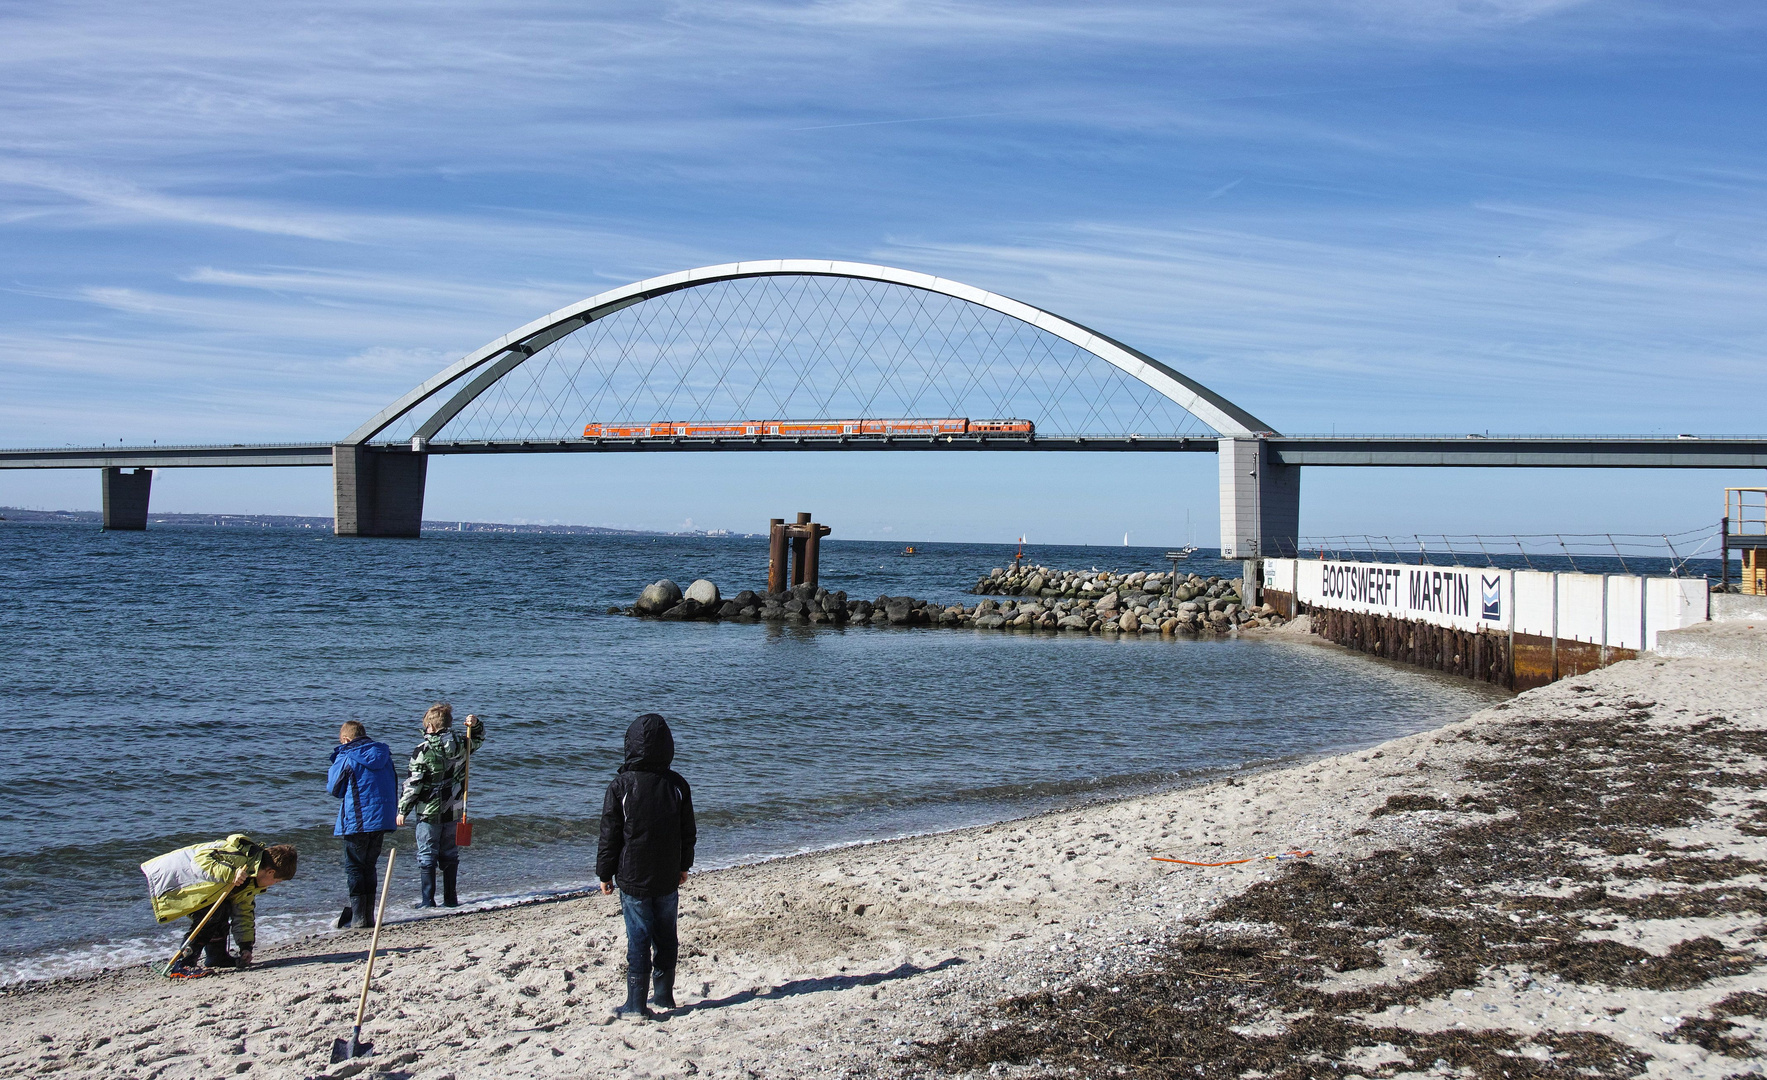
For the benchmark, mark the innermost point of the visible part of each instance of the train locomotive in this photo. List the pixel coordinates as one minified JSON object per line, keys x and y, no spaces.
{"x":665,"y":429}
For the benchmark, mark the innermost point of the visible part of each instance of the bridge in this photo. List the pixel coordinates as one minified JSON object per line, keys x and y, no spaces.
{"x":810,"y":340}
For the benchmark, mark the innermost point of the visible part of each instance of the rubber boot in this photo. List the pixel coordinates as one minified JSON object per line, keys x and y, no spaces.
{"x":662,"y":988}
{"x":449,"y":871}
{"x":215,"y":955}
{"x":634,"y":1008}
{"x":361,"y":911}
{"x":426,"y":875}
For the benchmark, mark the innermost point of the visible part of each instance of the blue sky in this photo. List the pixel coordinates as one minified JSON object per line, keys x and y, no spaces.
{"x":1517,"y":215}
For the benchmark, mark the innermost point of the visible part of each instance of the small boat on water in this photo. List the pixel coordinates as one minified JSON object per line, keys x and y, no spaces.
{"x":909,"y":550}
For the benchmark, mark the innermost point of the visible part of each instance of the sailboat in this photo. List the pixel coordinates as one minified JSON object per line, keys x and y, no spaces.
{"x":1189,"y":547}
{"x":1125,"y":539}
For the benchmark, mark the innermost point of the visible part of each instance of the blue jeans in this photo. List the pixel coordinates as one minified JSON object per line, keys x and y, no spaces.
{"x":650,"y":926}
{"x":435,"y":843}
{"x":361,"y":857}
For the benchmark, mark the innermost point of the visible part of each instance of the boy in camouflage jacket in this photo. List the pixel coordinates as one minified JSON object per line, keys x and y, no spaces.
{"x":435,"y":788}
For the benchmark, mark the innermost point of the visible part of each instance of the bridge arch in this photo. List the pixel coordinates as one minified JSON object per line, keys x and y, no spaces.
{"x":457,"y":386}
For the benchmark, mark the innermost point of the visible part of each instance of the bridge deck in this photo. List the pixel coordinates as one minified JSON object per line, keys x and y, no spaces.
{"x":1631,"y":452}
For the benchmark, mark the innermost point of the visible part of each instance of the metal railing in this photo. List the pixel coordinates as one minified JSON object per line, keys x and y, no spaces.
{"x":1691,"y":552}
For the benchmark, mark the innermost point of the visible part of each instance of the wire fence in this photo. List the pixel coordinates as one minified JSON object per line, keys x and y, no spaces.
{"x":1690,"y":553}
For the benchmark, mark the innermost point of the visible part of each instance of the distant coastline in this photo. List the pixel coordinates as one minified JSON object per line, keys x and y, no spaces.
{"x":295,"y":521}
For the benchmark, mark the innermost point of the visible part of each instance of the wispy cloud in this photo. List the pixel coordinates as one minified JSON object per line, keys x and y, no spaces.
{"x":117,"y":201}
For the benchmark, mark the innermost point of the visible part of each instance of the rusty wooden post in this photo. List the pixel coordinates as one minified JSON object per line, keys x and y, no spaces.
{"x":799,"y":549}
{"x":813,"y":553}
{"x":775,"y":556}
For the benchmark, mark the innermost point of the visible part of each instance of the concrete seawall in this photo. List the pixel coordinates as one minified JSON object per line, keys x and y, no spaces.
{"x":1515,"y":628}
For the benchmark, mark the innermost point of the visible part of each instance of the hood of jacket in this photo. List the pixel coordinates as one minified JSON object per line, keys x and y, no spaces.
{"x":364,"y":752}
{"x":650,"y":745}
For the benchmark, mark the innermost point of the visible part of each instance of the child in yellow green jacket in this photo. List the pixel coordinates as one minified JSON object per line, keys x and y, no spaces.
{"x":190,"y":880}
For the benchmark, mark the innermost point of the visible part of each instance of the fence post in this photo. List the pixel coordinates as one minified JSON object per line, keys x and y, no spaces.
{"x":1724,"y":553}
{"x":1554,"y":627}
{"x":1604,"y":581}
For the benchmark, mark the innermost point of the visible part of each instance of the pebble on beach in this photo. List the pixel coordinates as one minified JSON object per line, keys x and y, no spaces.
{"x":1034,"y":598}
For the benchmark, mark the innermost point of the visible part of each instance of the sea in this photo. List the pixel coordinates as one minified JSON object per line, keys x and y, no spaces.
{"x":173,"y":686}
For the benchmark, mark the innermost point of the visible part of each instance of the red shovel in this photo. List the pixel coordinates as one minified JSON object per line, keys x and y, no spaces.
{"x":463,"y":830}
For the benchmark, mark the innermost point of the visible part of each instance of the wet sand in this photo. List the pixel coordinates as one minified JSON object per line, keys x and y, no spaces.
{"x":959,"y":951}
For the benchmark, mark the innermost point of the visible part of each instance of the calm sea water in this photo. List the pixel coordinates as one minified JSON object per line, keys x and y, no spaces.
{"x":162,"y":688}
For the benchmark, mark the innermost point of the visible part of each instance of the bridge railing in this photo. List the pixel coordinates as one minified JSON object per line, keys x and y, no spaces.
{"x":1688,"y":553}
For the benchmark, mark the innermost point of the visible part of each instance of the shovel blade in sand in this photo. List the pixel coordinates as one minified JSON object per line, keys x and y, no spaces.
{"x":352,"y":1047}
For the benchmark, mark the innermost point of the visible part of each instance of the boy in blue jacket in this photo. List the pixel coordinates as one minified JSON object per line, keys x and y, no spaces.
{"x":362,"y":776}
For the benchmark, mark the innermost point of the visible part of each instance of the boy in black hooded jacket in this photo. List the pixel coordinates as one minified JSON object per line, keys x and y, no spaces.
{"x":647,"y":837}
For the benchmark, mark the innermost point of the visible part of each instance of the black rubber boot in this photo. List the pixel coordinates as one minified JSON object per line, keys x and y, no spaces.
{"x":362,"y":911}
{"x":449,"y":871}
{"x":343,"y":919}
{"x":215,"y":955}
{"x":634,"y":1008}
{"x":662,"y":988}
{"x":426,"y":876}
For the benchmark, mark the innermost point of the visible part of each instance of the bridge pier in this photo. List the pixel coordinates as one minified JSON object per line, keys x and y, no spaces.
{"x":1260,"y":501}
{"x":377,"y":492}
{"x":125,"y":499}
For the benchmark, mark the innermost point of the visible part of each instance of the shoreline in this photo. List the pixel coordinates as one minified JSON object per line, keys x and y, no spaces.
{"x":905,"y":957}
{"x":552,"y":894}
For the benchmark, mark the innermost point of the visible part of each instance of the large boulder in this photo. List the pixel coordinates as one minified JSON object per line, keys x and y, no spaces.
{"x":900,"y":610}
{"x":658,"y":598}
{"x":704,"y":592}
{"x":686,"y":609}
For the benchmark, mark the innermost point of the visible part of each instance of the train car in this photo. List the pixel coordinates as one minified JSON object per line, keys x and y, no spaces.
{"x":616,"y":431}
{"x":950,"y":425}
{"x":945,"y":426}
{"x":1008,"y":427}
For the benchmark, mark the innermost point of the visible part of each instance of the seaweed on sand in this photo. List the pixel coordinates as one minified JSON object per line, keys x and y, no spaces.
{"x":1510,"y":892}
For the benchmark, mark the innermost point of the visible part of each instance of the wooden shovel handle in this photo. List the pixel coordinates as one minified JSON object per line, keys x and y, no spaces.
{"x":216,"y":906}
{"x":466,"y":771}
{"x":374,"y":942}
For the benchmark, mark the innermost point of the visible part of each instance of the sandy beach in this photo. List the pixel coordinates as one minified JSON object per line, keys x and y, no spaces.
{"x":1569,"y":880}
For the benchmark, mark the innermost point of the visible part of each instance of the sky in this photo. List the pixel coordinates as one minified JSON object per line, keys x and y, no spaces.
{"x":1522,"y":216}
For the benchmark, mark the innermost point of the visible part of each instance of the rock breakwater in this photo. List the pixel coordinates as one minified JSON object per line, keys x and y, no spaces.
{"x":1044,"y":581}
{"x":1184,"y":605}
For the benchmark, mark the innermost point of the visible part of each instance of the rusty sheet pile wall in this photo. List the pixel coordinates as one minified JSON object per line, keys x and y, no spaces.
{"x":1515,"y":628}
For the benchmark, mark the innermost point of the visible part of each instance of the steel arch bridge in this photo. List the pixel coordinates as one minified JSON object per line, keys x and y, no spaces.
{"x":889,"y":352}
{"x":702,"y":360}
{"x":464,"y":383}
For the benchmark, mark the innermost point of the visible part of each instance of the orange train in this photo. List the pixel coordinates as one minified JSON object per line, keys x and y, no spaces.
{"x":744,"y":428}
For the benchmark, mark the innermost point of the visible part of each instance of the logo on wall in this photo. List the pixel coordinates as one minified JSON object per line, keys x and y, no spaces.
{"x":1492,"y":595}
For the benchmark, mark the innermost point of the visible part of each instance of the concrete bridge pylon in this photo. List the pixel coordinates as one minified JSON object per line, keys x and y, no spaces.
{"x":378,"y":492}
{"x":125,"y":498}
{"x":1260,"y":500}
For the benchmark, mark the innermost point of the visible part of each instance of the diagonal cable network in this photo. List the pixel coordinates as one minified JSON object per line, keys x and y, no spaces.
{"x":805,"y":348}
